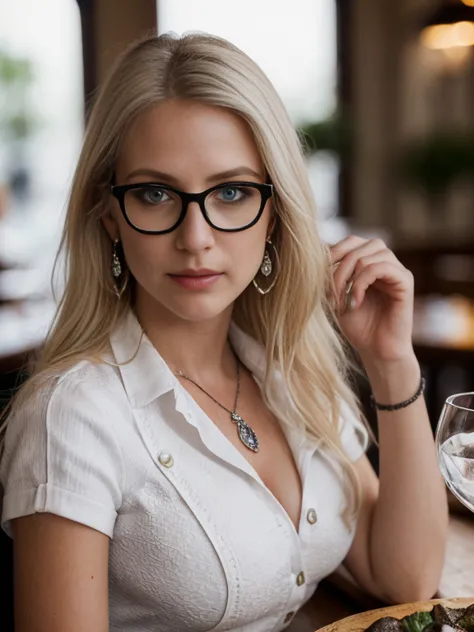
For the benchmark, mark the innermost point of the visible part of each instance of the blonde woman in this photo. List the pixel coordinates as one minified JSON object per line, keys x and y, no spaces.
{"x":188,"y":455}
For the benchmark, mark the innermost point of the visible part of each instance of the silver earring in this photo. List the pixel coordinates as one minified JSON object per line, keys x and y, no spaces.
{"x":117,"y":272}
{"x":116,"y":265}
{"x":267,"y":267}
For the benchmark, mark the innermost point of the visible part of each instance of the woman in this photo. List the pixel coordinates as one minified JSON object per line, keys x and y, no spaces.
{"x":188,"y":455}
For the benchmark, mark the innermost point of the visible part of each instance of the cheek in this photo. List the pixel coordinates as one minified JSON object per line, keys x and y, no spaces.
{"x":146,"y":255}
{"x":245,"y":255}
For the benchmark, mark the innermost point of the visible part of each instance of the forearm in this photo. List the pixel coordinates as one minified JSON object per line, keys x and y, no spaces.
{"x":409,"y":524}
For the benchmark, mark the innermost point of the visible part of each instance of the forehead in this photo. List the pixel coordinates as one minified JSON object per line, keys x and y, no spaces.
{"x":187,"y":137}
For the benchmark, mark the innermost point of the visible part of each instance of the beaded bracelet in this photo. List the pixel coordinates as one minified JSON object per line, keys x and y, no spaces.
{"x":408,"y":402}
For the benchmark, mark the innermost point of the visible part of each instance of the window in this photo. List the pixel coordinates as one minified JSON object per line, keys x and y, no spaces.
{"x":294,"y":43}
{"x":41,"y":127}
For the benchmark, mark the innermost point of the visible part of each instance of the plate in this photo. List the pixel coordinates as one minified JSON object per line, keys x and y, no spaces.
{"x":359,"y":622}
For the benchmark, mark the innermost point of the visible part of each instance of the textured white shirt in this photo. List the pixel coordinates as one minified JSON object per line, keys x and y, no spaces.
{"x":198,"y":541}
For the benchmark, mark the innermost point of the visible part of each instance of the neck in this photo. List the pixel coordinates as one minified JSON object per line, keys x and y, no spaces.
{"x":200,"y":350}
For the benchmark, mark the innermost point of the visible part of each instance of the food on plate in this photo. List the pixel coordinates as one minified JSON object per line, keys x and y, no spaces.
{"x":439,"y":619}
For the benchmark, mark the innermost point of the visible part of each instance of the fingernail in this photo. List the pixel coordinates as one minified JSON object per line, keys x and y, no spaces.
{"x":352,"y":304}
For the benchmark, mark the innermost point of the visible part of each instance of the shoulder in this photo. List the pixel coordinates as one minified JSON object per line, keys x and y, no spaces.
{"x":88,"y":391}
{"x":97,"y":376}
{"x":63,"y":448}
{"x":86,"y":381}
{"x":62,"y":405}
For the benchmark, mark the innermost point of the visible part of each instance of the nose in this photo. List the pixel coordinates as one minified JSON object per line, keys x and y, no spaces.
{"x":194,"y":234}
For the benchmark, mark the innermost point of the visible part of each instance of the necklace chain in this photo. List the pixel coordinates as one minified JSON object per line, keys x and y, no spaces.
{"x":234,"y":410}
{"x":245,"y":432}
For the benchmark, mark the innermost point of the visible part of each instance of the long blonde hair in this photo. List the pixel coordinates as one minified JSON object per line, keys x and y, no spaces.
{"x":293,"y":321}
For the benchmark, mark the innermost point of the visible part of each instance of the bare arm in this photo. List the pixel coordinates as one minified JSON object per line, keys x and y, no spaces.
{"x":61,"y":576}
{"x":399,"y":548}
{"x":401,"y":537}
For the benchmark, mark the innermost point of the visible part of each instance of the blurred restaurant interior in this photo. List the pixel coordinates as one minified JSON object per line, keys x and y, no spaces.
{"x":383,"y":95}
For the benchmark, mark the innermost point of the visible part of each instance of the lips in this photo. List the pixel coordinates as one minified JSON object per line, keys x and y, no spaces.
{"x":196,"y":273}
{"x":196,"y":279}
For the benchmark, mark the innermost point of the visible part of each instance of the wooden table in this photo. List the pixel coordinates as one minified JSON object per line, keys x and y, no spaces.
{"x":458,"y":574}
{"x":339,"y":596}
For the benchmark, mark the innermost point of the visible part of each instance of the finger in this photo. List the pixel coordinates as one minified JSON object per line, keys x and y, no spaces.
{"x":391,"y":278}
{"x":377,"y":257}
{"x":361,"y":265}
{"x":348,"y":265}
{"x":339,"y":250}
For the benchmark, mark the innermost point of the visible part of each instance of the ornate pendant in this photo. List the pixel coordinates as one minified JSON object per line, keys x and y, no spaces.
{"x":267,"y":266}
{"x":246,"y":434}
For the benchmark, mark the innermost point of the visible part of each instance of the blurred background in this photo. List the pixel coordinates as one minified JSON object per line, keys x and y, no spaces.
{"x":381,"y":91}
{"x":383,"y":95}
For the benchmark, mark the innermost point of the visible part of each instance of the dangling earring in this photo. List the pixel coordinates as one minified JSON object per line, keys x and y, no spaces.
{"x":116,"y":265}
{"x":267,"y":267}
{"x":119,"y":286}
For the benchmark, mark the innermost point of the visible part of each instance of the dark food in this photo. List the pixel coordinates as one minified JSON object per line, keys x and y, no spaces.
{"x":445,"y":615}
{"x":440,"y":619}
{"x":387,"y":624}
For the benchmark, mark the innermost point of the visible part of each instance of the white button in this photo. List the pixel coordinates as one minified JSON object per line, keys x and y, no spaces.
{"x":312,"y":516}
{"x":289,"y":617}
{"x":300,"y":579}
{"x":166,"y":459}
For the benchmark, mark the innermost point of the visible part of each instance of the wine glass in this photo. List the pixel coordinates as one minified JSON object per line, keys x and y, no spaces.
{"x":455,"y":446}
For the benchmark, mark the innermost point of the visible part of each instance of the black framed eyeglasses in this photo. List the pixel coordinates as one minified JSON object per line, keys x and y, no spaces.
{"x":156,"y":209}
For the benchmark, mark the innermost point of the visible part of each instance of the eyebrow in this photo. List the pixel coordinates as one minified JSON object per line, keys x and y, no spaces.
{"x":223,"y":175}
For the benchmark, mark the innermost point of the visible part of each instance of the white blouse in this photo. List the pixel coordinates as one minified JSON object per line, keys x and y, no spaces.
{"x":198,"y":541}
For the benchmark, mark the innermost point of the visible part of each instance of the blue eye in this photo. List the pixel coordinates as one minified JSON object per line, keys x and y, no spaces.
{"x":153,"y":195}
{"x":231,"y":194}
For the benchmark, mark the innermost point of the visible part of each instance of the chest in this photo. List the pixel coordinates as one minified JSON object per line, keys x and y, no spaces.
{"x":200,"y":542}
{"x":274,"y":462}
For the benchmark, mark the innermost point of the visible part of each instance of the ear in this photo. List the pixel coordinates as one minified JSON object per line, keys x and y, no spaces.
{"x":111,"y":225}
{"x":271,"y":226}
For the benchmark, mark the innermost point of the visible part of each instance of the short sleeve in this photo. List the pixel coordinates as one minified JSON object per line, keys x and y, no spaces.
{"x":61,"y":456}
{"x":353,"y":433}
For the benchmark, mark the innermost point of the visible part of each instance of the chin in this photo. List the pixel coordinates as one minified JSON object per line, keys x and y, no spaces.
{"x":198,"y":315}
{"x":196,"y":309}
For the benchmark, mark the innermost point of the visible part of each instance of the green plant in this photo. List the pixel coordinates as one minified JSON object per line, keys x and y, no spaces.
{"x":332,"y":134}
{"x":16,"y":76}
{"x":437,"y":161}
{"x":432,"y":163}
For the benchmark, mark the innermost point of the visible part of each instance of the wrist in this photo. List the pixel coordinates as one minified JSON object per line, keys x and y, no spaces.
{"x":394,"y":382}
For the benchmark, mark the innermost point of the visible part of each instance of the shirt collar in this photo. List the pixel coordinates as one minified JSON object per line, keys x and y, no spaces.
{"x":146,"y":376}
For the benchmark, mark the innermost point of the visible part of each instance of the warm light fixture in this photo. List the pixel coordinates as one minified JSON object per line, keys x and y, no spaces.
{"x":444,"y":36}
{"x":450,"y":29}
